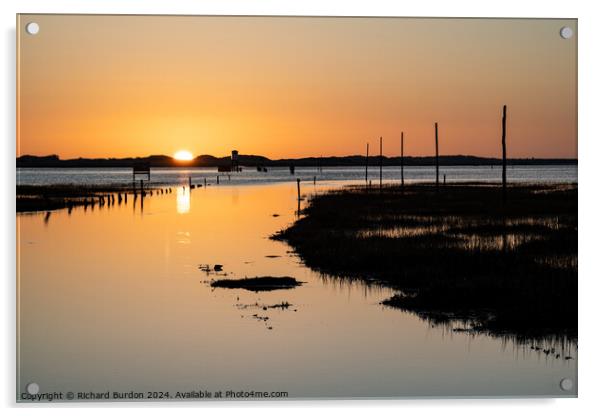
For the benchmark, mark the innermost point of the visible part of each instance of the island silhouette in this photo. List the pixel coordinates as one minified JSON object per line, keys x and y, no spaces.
{"x":207,"y":161}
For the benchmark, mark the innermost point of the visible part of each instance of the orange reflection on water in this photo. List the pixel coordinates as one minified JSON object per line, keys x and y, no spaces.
{"x":114,"y":298}
{"x":183,"y":200}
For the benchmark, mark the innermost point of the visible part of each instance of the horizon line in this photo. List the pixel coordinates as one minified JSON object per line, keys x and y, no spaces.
{"x":292,"y":158}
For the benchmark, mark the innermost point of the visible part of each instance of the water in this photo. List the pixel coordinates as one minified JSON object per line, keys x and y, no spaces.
{"x":112,"y":299}
{"x":173,"y":176}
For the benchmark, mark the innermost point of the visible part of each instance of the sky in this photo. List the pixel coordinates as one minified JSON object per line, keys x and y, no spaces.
{"x":121,"y":86}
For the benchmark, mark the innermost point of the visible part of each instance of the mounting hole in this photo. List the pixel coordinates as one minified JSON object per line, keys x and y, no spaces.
{"x":33,"y":388}
{"x":566,"y":32}
{"x":32,"y":28}
{"x":566,"y":384}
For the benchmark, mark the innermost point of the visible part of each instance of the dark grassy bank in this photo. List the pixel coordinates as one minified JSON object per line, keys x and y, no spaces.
{"x":50,"y":197}
{"x":456,"y":253}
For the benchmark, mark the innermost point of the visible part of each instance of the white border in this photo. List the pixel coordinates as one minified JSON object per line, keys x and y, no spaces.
{"x":590,"y":190}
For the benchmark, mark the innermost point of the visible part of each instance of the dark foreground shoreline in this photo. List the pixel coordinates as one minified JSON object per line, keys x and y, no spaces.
{"x":456,"y":253}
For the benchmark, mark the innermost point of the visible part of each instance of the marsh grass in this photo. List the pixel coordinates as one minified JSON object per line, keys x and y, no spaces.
{"x":456,"y":253}
{"x":31,"y":198}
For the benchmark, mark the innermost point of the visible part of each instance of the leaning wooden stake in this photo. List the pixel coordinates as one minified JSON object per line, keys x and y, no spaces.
{"x":367,"y":155}
{"x":401,"y":162}
{"x":381,"y":162}
{"x":504,"y":153}
{"x":437,"y":154}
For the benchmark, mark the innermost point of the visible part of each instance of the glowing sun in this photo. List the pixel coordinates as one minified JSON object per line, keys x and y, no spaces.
{"x":183,"y":155}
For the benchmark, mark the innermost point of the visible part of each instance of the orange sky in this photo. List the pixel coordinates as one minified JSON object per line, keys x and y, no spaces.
{"x":117,"y":86}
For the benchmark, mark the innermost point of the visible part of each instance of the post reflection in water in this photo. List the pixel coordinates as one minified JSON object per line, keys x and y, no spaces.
{"x":183,"y":200}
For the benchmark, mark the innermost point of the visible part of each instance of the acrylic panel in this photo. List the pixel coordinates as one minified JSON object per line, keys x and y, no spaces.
{"x":278,"y":208}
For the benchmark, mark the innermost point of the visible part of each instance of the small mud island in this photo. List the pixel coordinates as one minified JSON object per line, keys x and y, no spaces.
{"x":454,"y":252}
{"x":258,"y":284}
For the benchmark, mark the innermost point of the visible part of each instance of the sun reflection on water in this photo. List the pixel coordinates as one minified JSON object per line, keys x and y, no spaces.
{"x":183,"y":200}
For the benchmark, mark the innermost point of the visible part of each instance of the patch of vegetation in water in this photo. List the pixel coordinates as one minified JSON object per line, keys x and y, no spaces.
{"x":32,"y":198}
{"x":457,"y":252}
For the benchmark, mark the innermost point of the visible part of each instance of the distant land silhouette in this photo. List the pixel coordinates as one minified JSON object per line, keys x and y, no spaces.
{"x":53,"y":161}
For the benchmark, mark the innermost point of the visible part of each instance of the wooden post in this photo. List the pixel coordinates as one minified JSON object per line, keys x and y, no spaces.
{"x":314,"y":180}
{"x":205,"y":182}
{"x":437,"y":154}
{"x":401,"y":162}
{"x":504,"y":153}
{"x":367,"y":155}
{"x":190,"y":182}
{"x":381,"y":162}
{"x":298,"y":189}
{"x":218,"y":179}
{"x":141,"y":187}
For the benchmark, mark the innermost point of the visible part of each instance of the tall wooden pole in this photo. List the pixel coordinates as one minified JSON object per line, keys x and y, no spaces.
{"x":298,"y":196}
{"x":381,"y":162}
{"x":401,"y":162}
{"x":504,"y":153}
{"x":437,"y":154}
{"x":367,"y":155}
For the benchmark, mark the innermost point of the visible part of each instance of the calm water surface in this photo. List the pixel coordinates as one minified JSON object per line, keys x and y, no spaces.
{"x":113,"y":299}
{"x":173,"y":176}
